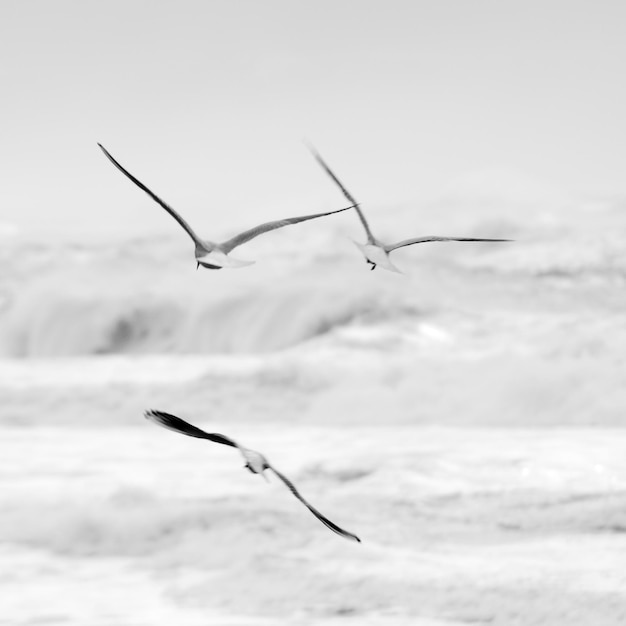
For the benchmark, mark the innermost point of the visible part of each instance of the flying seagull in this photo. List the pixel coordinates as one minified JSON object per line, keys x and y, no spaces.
{"x":255,"y":461}
{"x":212,"y":255}
{"x":375,"y":251}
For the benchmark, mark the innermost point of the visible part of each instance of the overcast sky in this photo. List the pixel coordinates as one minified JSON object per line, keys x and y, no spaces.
{"x":208,"y":101}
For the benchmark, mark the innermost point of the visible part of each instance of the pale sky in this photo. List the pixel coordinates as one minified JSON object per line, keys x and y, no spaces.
{"x":207,"y":102}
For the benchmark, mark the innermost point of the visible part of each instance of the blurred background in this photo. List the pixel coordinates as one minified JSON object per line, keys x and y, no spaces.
{"x":464,"y":418}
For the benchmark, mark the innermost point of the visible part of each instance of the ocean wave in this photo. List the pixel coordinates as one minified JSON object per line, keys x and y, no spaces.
{"x":145,"y":297}
{"x":45,"y":325}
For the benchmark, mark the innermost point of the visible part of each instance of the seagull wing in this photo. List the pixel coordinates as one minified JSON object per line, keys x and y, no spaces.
{"x":156,"y":198}
{"x":345,"y":192}
{"x":231,"y":244}
{"x":320,"y":517}
{"x":171,"y":422}
{"x":410,"y":242}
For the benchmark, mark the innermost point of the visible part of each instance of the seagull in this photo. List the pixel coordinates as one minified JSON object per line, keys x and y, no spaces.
{"x":255,"y":461}
{"x":375,"y":251}
{"x":212,"y":255}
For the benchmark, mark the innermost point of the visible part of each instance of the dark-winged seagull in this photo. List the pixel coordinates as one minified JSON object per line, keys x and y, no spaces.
{"x":212,"y":255}
{"x":375,"y":251}
{"x":255,"y":461}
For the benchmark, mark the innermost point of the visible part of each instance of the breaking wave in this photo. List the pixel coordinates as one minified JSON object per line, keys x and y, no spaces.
{"x":70,"y":325}
{"x":145,"y":297}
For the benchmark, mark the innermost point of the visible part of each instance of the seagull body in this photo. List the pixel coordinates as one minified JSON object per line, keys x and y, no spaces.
{"x":376,"y":252}
{"x":210,"y":254}
{"x":376,"y":255}
{"x":256,"y":462}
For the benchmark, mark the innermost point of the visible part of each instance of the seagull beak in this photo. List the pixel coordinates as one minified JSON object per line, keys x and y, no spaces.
{"x":197,"y":265}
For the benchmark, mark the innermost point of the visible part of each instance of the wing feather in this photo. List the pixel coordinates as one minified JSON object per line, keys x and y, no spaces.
{"x":410,"y":242}
{"x":320,"y":517}
{"x":156,"y":198}
{"x":241,"y":238}
{"x":345,"y":192}
{"x":171,"y":422}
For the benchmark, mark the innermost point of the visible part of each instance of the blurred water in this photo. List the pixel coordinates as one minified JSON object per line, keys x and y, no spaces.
{"x":137,"y":525}
{"x":463,"y":418}
{"x":145,"y":297}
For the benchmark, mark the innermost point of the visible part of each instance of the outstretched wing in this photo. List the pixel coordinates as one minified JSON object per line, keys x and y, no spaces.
{"x":410,"y":242}
{"x":156,"y":198}
{"x":345,"y":192}
{"x":178,"y":425}
{"x":231,"y":244}
{"x":320,"y":517}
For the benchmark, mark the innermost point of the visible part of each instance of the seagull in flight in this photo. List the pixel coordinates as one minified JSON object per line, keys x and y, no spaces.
{"x":375,"y":251}
{"x":255,"y":461}
{"x":214,"y":256}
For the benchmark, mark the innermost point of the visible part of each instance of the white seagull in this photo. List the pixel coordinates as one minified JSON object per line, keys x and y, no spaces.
{"x":212,"y":255}
{"x":255,"y":461}
{"x":375,"y":251}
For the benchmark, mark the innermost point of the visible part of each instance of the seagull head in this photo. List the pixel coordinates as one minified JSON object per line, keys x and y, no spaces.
{"x":255,"y":462}
{"x":250,"y":468}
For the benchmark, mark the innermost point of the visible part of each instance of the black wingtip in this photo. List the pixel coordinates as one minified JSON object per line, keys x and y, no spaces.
{"x":160,"y":417}
{"x":175,"y":423}
{"x":152,"y":414}
{"x":352,"y":206}
{"x":346,"y":534}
